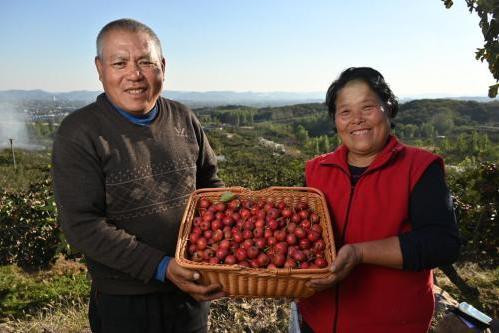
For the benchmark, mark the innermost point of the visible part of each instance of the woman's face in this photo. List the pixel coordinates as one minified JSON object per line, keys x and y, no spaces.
{"x":362,"y":122}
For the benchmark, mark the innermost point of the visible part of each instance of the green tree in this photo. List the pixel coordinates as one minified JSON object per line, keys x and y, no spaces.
{"x":410,"y":131}
{"x":474,"y":144}
{"x":238,"y":119}
{"x":473,"y":185}
{"x":488,"y":12}
{"x":301,"y":133}
{"x":462,"y":145}
{"x":334,"y":142}
{"x":427,"y":131}
{"x":251,"y":118}
{"x":445,"y":145}
{"x":484,"y":142}
{"x":443,"y":123}
{"x":325,"y":146}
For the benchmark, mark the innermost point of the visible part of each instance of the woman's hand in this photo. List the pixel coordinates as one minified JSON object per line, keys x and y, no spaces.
{"x":189,"y":282}
{"x":383,"y":252}
{"x":348,"y":257}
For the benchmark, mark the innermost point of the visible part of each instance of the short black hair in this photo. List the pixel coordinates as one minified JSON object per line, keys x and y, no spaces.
{"x":373,"y":78}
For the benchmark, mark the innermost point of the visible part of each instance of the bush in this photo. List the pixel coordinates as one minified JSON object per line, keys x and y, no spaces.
{"x":29,"y":236}
{"x":474,"y":185}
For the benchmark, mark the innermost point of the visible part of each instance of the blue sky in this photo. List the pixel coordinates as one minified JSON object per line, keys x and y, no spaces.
{"x":421,"y":47}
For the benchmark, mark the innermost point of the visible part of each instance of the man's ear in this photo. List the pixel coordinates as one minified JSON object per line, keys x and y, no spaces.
{"x":98,"y":65}
{"x":163,"y":66}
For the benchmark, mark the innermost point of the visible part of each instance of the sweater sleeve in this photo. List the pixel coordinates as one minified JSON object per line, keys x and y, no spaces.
{"x":207,"y":161}
{"x":433,"y":240}
{"x":79,"y":188}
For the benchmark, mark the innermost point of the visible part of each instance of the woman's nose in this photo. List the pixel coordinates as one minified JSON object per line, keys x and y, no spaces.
{"x":357,"y":116}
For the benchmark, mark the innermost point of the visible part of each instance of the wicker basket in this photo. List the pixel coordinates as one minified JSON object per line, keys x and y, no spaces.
{"x":259,"y":282}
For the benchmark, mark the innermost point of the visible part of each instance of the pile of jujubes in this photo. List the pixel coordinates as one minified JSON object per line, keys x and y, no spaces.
{"x":256,"y":233}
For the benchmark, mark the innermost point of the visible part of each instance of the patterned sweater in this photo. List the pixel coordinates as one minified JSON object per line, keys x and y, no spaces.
{"x":121,"y":189}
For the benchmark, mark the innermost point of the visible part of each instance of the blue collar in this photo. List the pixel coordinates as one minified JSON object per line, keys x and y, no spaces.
{"x":144,"y":120}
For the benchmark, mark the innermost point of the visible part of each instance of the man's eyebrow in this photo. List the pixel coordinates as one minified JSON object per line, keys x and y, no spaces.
{"x":119,"y":56}
{"x":147,"y":56}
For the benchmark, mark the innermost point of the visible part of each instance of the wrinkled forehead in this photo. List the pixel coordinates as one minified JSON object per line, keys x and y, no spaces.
{"x":126,"y":42}
{"x":356,"y":91}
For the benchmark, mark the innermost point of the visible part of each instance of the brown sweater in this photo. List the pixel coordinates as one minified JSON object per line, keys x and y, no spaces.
{"x":121,"y":189}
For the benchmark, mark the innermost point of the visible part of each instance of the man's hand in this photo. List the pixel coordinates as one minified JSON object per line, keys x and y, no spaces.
{"x":188,"y":281}
{"x":348,"y":257}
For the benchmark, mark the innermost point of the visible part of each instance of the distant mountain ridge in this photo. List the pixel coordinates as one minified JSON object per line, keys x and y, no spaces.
{"x":197,"y":99}
{"x":18,"y":95}
{"x":193,"y":98}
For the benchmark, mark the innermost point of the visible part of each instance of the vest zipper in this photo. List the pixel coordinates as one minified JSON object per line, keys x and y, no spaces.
{"x":342,"y":240}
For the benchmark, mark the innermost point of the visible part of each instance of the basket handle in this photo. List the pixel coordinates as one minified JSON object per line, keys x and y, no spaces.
{"x":235,"y":188}
{"x":220,"y":189}
{"x":183,"y":226}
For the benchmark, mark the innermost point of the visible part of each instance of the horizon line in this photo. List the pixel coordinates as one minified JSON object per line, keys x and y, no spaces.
{"x":418,"y":95}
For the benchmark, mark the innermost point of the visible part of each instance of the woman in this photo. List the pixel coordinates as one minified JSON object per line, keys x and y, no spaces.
{"x":392,"y":213}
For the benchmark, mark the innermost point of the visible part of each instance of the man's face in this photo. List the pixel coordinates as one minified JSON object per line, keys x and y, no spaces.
{"x":131,"y":70}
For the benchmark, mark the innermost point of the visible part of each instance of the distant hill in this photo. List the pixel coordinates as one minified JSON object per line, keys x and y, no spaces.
{"x":199,"y":99}
{"x":414,"y":112}
{"x":249,"y":98}
{"x":461,"y":112}
{"x":443,"y":115}
{"x":41,"y":95}
{"x":482,"y":99}
{"x":191,"y":98}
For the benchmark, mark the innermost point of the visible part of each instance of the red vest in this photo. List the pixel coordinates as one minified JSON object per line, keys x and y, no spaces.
{"x":372,"y":298}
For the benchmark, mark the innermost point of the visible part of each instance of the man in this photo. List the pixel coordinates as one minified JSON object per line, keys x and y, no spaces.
{"x":123,"y":168}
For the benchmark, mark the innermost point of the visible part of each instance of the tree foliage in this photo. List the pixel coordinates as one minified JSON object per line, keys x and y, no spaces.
{"x":29,"y":236}
{"x":488,"y":12}
{"x":474,"y":186}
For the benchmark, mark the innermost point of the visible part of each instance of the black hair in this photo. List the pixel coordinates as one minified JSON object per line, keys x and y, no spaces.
{"x":373,"y":78}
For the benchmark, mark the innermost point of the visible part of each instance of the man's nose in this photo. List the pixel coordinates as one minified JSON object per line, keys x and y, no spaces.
{"x":135,"y":72}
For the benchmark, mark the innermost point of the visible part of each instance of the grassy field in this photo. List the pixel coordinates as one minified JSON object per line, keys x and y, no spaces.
{"x":485,"y":297}
{"x":30,"y":166}
{"x":55,"y":301}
